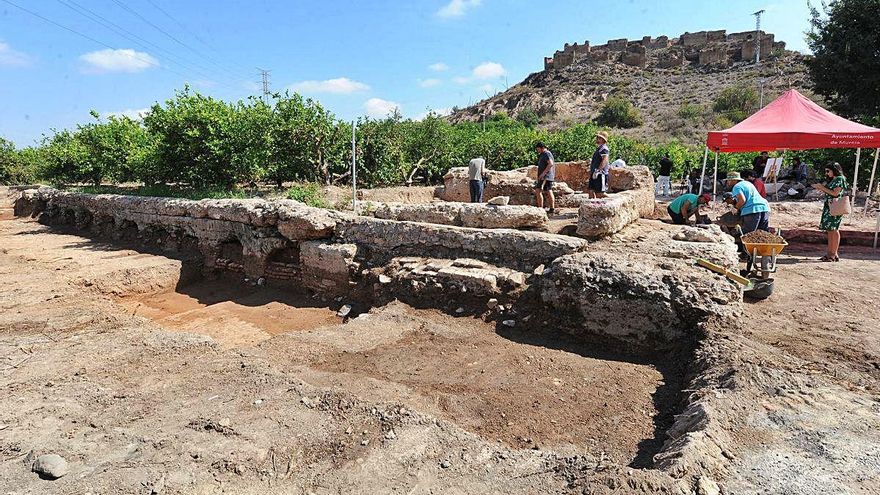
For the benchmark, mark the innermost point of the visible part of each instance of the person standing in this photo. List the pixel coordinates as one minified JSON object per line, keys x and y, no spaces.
{"x":598,"y":183}
{"x":546,"y":176}
{"x":476,"y":173}
{"x":834,"y":186}
{"x":662,"y":187}
{"x":753,"y":209}
{"x":686,"y":205}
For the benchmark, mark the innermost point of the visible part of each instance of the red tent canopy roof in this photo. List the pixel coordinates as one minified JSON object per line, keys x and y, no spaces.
{"x":793,"y":122}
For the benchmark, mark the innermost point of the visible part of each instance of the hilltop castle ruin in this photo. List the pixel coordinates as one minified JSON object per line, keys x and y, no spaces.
{"x":703,"y":48}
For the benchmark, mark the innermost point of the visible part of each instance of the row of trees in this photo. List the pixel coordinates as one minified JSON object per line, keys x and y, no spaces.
{"x":201,"y":142}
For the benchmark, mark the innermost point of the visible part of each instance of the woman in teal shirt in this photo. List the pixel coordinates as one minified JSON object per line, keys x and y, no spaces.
{"x":682,"y":207}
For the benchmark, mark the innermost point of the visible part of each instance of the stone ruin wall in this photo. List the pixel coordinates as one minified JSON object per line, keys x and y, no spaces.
{"x":430,"y":265}
{"x":703,"y":48}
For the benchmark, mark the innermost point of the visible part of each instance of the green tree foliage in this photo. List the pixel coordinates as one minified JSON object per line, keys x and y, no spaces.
{"x":735,"y":103}
{"x":618,"y":112}
{"x":845,"y":66}
{"x":196,"y":142}
{"x":17,"y":166}
{"x":528,"y":117}
{"x":307,"y":141}
{"x":196,"y":146}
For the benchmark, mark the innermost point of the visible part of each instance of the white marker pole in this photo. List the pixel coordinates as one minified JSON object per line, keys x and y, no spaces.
{"x":715,"y":180}
{"x":856,"y":178}
{"x":871,"y":182}
{"x":703,"y":173}
{"x":353,"y":168}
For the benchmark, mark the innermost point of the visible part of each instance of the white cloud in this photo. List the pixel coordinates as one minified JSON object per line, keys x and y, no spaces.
{"x":482,"y":72}
{"x":488,"y":70}
{"x":121,"y":60}
{"x":457,"y":8}
{"x":339,"y":85}
{"x":13,"y":58}
{"x":429,"y":83}
{"x":379,"y":108}
{"x":487,"y":88}
{"x":137,"y":114}
{"x":438,"y":67}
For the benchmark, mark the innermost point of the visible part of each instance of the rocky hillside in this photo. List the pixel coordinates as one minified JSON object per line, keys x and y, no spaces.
{"x":674,"y":102}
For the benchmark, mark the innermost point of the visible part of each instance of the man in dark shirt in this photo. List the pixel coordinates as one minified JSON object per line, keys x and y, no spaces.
{"x":663,"y":186}
{"x":598,"y":183}
{"x":546,"y":177}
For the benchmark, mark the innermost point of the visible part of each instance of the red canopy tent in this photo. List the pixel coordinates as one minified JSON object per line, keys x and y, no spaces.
{"x":793,"y":122}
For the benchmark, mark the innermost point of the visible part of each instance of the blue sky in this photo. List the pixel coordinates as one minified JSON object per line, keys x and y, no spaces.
{"x":355,"y":57}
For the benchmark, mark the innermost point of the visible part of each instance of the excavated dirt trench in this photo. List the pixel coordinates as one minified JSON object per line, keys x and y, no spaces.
{"x":530,"y":387}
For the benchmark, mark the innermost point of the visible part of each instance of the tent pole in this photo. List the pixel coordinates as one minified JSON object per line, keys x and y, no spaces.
{"x":776,"y":175}
{"x":877,"y":230}
{"x":703,"y":173}
{"x":715,"y":180}
{"x":856,"y":177}
{"x":871,"y":182}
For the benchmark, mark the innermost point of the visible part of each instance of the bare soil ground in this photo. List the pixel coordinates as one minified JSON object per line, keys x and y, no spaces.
{"x":141,"y":379}
{"x":148,"y":382}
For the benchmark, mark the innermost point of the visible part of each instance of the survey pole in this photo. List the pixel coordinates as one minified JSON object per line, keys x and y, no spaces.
{"x":353,"y":167}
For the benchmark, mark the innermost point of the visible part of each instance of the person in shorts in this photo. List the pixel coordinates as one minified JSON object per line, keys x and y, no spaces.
{"x":546,"y":177}
{"x":598,"y":183}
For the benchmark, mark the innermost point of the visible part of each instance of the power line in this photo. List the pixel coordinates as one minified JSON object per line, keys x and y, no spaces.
{"x":188,"y":30}
{"x":93,"y":40}
{"x":171,"y":36}
{"x":95,"y":17}
{"x":50,"y":21}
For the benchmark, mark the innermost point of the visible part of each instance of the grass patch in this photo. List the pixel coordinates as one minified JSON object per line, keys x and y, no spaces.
{"x":309,"y":194}
{"x":162,"y":191}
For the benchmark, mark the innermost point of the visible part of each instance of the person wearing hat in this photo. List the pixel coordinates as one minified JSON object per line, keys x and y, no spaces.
{"x":598,"y":183}
{"x":546,"y":176}
{"x":683,"y":207}
{"x":752,"y":208}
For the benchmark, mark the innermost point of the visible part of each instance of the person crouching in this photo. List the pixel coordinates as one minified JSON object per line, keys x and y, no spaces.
{"x":753,"y":209}
{"x":683,"y":207}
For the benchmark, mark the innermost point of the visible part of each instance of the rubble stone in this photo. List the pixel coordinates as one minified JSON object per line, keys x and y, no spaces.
{"x":465,"y":214}
{"x":516,"y":184}
{"x":510,"y":248}
{"x":662,"y":299}
{"x":326,"y":266}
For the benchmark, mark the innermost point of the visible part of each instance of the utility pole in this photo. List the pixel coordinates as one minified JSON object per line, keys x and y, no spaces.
{"x":265,"y":76}
{"x":758,"y":36}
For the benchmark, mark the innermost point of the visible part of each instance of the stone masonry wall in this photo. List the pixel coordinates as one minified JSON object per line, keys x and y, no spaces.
{"x":703,"y":48}
{"x":431,"y":265}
